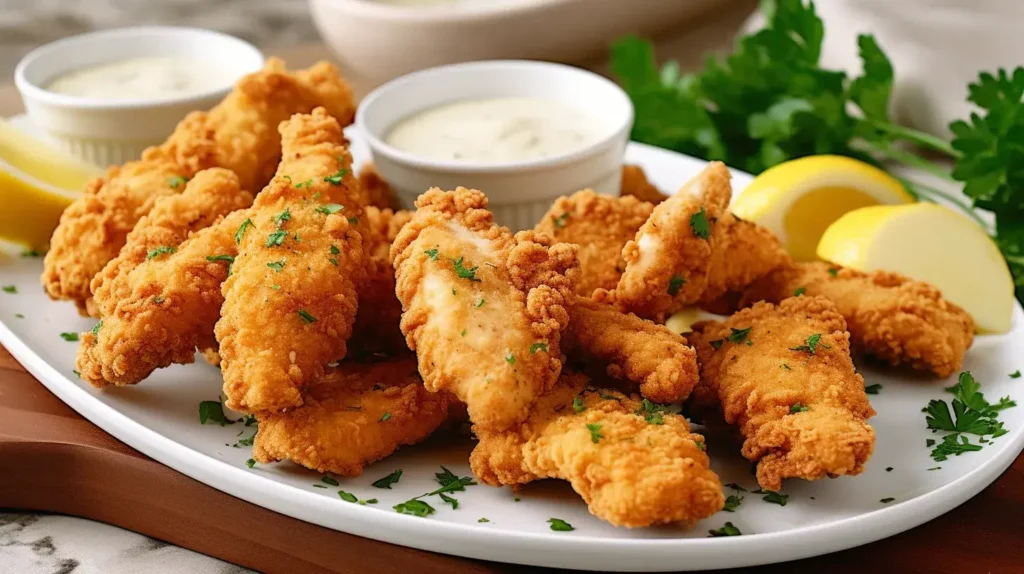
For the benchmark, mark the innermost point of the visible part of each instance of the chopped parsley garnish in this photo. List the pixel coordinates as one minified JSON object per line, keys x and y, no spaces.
{"x":285,"y":215}
{"x":560,"y":220}
{"x":19,"y":316}
{"x":432,"y":254}
{"x":578,"y":406}
{"x":370,"y":501}
{"x":213,"y":411}
{"x":96,"y":328}
{"x":334,"y":250}
{"x":162,"y":250}
{"x":1015,"y":374}
{"x":385,"y":417}
{"x":69,"y":336}
{"x":700,"y":445}
{"x":333,"y":261}
{"x":414,"y":507}
{"x":652,"y":412}
{"x":716,"y":344}
{"x":727,"y":530}
{"x":888,"y":469}
{"x":886,"y":500}
{"x":250,"y":463}
{"x":464,"y":273}
{"x":450,"y":482}
{"x":774,"y":497}
{"x":463,"y":333}
{"x":935,"y":468}
{"x":480,"y":303}
{"x":833,"y":271}
{"x":31,"y":253}
{"x":483,"y":520}
{"x":388,"y":480}
{"x":972,"y":414}
{"x":799,"y":291}
{"x":675,"y":284}
{"x":798,"y":408}
{"x":928,"y":442}
{"x":336,"y":178}
{"x":241,"y":230}
{"x":176,"y":180}
{"x":812,"y":344}
{"x":700,"y":225}
{"x":739,"y":335}
{"x":595,"y":432}
{"x":277,"y":266}
{"x":736,"y":487}
{"x":228,"y":258}
{"x":319,"y":486}
{"x":559,"y":525}
{"x":732,"y":502}
{"x":873,"y":389}
{"x":329,"y":208}
{"x":538,"y":347}
{"x":10,"y":289}
{"x":329,"y":480}
{"x":348,"y":496}
{"x":306,"y":317}
{"x":305,"y":184}
{"x":510,"y":358}
{"x":786,"y":367}
{"x":450,"y":500}
{"x":77,"y":374}
{"x":276,"y":238}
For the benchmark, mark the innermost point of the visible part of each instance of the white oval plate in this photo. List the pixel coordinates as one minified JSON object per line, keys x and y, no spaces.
{"x":160,"y":418}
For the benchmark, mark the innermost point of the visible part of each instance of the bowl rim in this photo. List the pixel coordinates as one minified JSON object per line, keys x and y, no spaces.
{"x":378,"y":145}
{"x":460,"y":11}
{"x":31,"y":91}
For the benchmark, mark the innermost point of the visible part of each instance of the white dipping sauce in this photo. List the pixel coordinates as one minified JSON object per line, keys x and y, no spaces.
{"x":141,"y":78}
{"x":496,"y":130}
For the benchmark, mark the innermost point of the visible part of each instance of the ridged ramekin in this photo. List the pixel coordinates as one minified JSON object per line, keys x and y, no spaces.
{"x":107,"y":132}
{"x":519,"y":193}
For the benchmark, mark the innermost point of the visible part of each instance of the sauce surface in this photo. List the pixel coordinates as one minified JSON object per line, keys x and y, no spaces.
{"x":496,"y":130}
{"x":140,"y":78}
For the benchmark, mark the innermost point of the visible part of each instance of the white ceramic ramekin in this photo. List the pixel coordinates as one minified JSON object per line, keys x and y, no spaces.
{"x":518,"y":192}
{"x":107,"y":132}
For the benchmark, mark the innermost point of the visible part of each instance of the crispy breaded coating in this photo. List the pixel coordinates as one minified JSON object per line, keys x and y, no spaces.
{"x":164,"y":309}
{"x":630,"y":471}
{"x":238,"y":134}
{"x":484,"y":310}
{"x":377,"y":326}
{"x":635,"y":184}
{"x":601,"y":225}
{"x":290,"y":301}
{"x":632,"y":349}
{"x":358,"y":414}
{"x":783,"y":375}
{"x":667,"y":264}
{"x":741,"y":253}
{"x":211,"y":194}
{"x":376,"y":191}
{"x":890,"y":317}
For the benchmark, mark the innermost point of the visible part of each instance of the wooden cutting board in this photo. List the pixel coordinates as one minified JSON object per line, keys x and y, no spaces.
{"x":53,"y":460}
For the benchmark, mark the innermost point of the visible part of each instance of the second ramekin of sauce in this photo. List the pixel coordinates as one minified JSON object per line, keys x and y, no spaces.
{"x":523,"y":132}
{"x":106,"y":96}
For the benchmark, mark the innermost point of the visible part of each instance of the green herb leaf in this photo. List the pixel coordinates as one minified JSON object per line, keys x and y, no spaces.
{"x":329,"y":480}
{"x":250,"y":463}
{"x":284,"y":216}
{"x":10,"y":289}
{"x":510,"y":358}
{"x":732,"y":502}
{"x":799,"y":291}
{"x":388,"y":480}
{"x":336,"y":178}
{"x":886,"y":500}
{"x":276,"y":238}
{"x":464,"y":273}
{"x":812,"y":344}
{"x":595,"y":432}
{"x":329,"y":208}
{"x":414,"y":507}
{"x":727,"y":530}
{"x":483,"y":520}
{"x":306,"y":317}
{"x":560,"y":220}
{"x":700,"y":225}
{"x":432,"y":254}
{"x":775,"y":497}
{"x":578,"y":406}
{"x":675,"y":284}
{"x":176,"y":181}
{"x":348,"y":496}
{"x":873,"y":389}
{"x":450,"y":500}
{"x":69,"y":336}
{"x":1015,"y":374}
{"x":559,"y":525}
{"x":213,"y":411}
{"x":385,"y":417}
{"x":538,"y":347}
{"x":739,"y":335}
{"x":798,"y":408}
{"x":162,"y":250}
{"x":96,"y":328}
{"x":241,"y":230}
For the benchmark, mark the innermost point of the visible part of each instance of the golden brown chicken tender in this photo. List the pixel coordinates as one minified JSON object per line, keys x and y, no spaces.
{"x":377,"y":326}
{"x":358,"y":414}
{"x":890,"y":317}
{"x":783,"y":375}
{"x":635,"y":184}
{"x":484,"y":310}
{"x":633,"y":466}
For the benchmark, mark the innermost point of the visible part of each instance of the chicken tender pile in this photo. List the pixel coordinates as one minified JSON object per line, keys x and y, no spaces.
{"x":349,"y":328}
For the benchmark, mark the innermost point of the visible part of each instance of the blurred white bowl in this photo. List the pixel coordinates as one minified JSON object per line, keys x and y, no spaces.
{"x":380,"y":41}
{"x":107,"y":132}
{"x":519,"y":193}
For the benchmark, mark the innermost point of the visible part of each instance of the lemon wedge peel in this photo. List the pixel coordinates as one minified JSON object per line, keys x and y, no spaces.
{"x":930,"y":243}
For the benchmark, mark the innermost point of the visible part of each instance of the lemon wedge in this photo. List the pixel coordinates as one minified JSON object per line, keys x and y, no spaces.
{"x":798,"y":199}
{"x":36,"y":183}
{"x":929,"y":243}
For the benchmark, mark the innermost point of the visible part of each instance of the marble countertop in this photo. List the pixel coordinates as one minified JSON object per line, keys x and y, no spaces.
{"x":55,"y":544}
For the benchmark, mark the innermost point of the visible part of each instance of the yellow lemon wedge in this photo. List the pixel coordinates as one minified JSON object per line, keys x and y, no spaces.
{"x":929,"y":243}
{"x":36,"y":183}
{"x":798,"y":199}
{"x":682,"y":321}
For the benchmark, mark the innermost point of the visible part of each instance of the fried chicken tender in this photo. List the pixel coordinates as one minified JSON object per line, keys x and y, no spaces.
{"x":892,"y":318}
{"x":162,"y":310}
{"x":377,"y":326}
{"x":601,"y":226}
{"x":238,"y":134}
{"x":632,"y":349}
{"x":634,"y":183}
{"x":741,"y":253}
{"x":783,"y":375}
{"x":484,"y":310}
{"x":629,"y":471}
{"x":358,"y":414}
{"x":376,"y":191}
{"x":211,"y":194}
{"x":667,"y":264}
{"x":290,"y":301}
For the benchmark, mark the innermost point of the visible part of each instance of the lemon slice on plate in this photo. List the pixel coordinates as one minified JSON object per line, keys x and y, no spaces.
{"x":36,"y":183}
{"x":929,"y":243}
{"x":798,"y":199}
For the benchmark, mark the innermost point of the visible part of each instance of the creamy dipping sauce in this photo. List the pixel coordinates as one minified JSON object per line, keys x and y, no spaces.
{"x":496,"y":130}
{"x":141,"y":78}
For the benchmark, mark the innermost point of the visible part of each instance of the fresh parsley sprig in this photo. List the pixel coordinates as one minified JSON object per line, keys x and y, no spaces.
{"x":971,"y":414}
